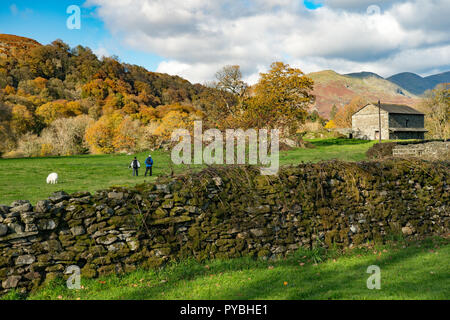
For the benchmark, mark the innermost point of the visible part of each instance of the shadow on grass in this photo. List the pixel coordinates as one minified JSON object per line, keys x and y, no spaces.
{"x":413,"y":272}
{"x":327,"y":281}
{"x":335,"y":141}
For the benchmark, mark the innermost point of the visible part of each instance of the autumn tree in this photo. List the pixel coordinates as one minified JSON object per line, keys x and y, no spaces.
{"x":343,"y":118}
{"x":218,"y":105}
{"x":6,"y":136}
{"x":281,"y":98}
{"x":128,"y":135}
{"x":173,"y":118}
{"x":50,"y":61}
{"x":101,"y":134}
{"x":130,"y":105}
{"x":84,"y":64}
{"x":229,"y":79}
{"x":95,"y":89}
{"x":22,"y":120}
{"x":66,"y":136}
{"x":51,"y":111}
{"x":33,"y":87}
{"x":28,"y":146}
{"x":146,"y":94}
{"x":436,"y":106}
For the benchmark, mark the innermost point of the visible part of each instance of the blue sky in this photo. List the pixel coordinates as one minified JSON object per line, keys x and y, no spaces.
{"x":45,"y":21}
{"x":312,"y":5}
{"x":194,"y":39}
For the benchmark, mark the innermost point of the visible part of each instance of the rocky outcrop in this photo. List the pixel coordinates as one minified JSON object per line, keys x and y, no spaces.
{"x":220,"y":213}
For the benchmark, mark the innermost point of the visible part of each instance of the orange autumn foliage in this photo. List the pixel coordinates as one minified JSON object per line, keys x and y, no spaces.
{"x":343,"y":117}
{"x":281,"y":98}
{"x":101,"y":134}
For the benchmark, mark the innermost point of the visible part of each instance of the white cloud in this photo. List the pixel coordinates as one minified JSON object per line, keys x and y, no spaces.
{"x":101,"y":52}
{"x":198,"y":37}
{"x":15,"y":11}
{"x":360,"y":5}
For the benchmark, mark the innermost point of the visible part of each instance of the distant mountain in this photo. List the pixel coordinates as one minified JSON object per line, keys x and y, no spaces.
{"x":409,"y":81}
{"x":417,"y":84}
{"x":331,"y":88}
{"x":364,"y":74}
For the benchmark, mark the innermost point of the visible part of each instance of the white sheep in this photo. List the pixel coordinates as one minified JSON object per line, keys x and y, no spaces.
{"x":52,"y":178}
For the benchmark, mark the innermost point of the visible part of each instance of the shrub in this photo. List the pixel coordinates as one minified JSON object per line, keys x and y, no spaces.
{"x":330,"y":125}
{"x":66,"y":137}
{"x":29,"y":146}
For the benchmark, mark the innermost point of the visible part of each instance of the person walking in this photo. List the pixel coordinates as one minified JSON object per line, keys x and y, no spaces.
{"x":149,"y":165}
{"x":135,"y":164}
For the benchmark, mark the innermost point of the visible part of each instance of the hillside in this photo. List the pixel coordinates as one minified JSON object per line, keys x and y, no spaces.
{"x":417,"y":84}
{"x":58,"y":100}
{"x":332,"y":88}
{"x":10,"y":44}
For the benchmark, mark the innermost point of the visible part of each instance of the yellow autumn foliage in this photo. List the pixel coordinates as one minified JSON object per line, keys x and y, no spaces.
{"x":330,"y":125}
{"x":51,"y":111}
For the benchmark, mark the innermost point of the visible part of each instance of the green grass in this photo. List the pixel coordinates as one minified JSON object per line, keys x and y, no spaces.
{"x":409,"y":270}
{"x":25,"y":179}
{"x":327,"y":149}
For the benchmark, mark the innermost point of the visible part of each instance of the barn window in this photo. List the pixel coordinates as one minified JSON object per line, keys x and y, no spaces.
{"x":407,"y":120}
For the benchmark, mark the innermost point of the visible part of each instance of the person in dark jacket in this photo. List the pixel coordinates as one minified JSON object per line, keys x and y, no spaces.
{"x":149,"y":165}
{"x":135,"y":164}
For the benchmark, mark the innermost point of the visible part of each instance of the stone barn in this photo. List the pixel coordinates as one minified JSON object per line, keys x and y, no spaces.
{"x":398,"y":122}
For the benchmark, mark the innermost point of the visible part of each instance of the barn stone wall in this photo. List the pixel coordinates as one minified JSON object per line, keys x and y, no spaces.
{"x":400,"y":121}
{"x":365,"y":123}
{"x":220,"y":213}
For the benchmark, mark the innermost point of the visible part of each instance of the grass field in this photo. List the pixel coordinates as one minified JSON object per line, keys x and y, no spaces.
{"x":409,"y":270}
{"x":25,"y":179}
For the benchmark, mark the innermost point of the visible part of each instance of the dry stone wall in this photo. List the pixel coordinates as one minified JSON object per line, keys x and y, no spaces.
{"x":434,"y":150}
{"x":220,"y":213}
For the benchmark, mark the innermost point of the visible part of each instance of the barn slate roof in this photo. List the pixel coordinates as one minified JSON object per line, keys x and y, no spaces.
{"x":398,"y":108}
{"x":394,"y":108}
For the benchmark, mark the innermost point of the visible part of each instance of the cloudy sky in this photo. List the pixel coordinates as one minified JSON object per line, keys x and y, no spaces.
{"x":195,"y":38}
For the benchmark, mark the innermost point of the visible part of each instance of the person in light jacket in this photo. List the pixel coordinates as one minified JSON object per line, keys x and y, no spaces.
{"x":135,"y":164}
